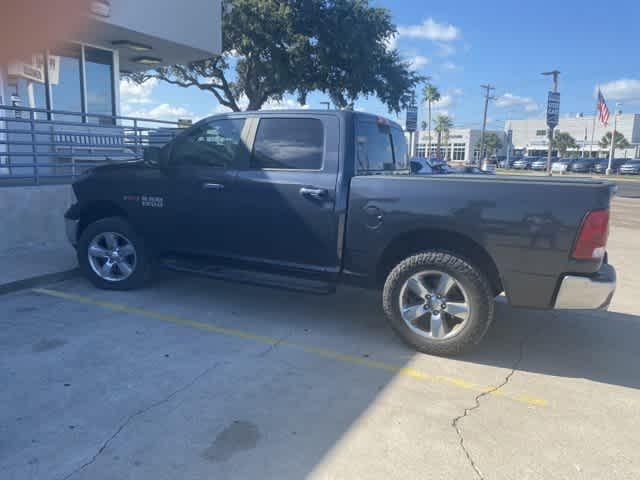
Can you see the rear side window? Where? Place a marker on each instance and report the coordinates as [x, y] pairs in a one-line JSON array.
[[400, 153], [288, 143], [380, 148]]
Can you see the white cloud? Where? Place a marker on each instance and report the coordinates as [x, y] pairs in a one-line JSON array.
[[450, 66], [164, 111], [287, 103], [431, 30], [446, 49], [418, 62], [391, 42], [132, 92], [509, 100], [624, 89]]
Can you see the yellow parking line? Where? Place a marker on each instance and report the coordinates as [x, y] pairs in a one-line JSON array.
[[322, 352]]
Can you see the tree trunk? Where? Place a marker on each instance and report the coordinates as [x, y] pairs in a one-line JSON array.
[[439, 145], [429, 144]]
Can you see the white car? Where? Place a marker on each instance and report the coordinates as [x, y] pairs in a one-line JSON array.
[[560, 166]]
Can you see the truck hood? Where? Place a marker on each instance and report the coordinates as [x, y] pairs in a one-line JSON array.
[[109, 168]]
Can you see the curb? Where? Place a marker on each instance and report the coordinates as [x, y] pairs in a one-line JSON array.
[[37, 281]]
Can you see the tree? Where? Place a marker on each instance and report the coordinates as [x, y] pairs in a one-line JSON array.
[[492, 143], [275, 47], [430, 94], [563, 142], [620, 142], [443, 125]]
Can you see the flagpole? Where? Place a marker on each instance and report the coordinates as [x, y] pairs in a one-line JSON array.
[[612, 148], [593, 129]]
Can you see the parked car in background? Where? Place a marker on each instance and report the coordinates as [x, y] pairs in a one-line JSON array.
[[524, 163], [561, 165], [508, 163], [539, 164], [616, 163], [429, 166], [632, 167], [472, 169], [583, 165], [420, 166], [307, 200]]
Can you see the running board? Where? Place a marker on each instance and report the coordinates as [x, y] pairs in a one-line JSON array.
[[248, 276]]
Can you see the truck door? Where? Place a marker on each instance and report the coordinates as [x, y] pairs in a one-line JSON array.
[[202, 170], [285, 204]]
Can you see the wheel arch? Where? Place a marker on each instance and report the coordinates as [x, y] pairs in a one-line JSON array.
[[415, 241], [98, 210]]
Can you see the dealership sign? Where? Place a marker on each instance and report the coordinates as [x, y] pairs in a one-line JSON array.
[[553, 109], [411, 124]]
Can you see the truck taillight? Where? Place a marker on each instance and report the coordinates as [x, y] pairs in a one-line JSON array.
[[592, 238]]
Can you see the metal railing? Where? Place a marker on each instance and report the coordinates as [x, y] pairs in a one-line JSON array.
[[39, 146]]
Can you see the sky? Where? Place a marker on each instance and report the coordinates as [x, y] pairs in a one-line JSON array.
[[463, 44]]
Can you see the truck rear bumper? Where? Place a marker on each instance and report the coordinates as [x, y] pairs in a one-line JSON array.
[[587, 293]]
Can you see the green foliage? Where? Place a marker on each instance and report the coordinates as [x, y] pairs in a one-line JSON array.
[[492, 143], [443, 125], [277, 47], [563, 142], [620, 141]]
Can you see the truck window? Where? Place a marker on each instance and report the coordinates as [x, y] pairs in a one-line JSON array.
[[289, 144], [400, 153], [212, 144], [374, 151]]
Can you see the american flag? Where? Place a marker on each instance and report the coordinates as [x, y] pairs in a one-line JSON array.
[[602, 109]]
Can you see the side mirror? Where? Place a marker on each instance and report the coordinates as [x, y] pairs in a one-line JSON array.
[[152, 154], [156, 155]]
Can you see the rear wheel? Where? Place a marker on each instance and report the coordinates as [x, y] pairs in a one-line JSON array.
[[438, 303], [112, 256]]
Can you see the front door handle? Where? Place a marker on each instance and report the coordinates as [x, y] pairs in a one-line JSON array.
[[315, 193], [212, 186]]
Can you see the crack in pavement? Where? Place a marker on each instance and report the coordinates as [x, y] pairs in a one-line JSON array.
[[275, 344], [142, 411], [455, 422]]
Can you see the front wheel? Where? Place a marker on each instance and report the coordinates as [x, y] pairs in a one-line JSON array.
[[438, 303], [112, 256]]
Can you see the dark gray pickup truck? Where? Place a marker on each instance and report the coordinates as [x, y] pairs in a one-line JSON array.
[[309, 199]]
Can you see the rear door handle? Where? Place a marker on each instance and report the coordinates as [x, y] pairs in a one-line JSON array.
[[315, 193], [212, 186]]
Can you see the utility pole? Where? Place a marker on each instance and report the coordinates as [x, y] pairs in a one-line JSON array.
[[612, 147], [487, 97], [553, 113]]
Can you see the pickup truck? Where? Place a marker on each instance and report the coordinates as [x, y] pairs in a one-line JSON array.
[[307, 200]]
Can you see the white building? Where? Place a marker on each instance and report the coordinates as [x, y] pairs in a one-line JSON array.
[[460, 145], [530, 135], [82, 75]]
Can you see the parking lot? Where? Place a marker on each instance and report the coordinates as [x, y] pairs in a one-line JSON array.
[[200, 379]]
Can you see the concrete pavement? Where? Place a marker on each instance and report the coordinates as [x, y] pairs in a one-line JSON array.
[[199, 379]]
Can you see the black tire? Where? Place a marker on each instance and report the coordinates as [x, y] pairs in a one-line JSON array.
[[142, 271], [471, 278]]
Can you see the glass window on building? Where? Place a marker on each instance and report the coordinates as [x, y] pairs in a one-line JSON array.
[[421, 150], [99, 84], [65, 80], [459, 151]]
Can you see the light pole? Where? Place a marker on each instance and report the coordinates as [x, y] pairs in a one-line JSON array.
[[612, 147]]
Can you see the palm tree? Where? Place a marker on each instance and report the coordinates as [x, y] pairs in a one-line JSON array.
[[430, 95], [443, 125], [620, 142]]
